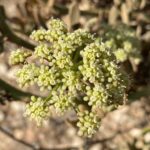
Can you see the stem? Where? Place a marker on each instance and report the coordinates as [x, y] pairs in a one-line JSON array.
[[50, 94]]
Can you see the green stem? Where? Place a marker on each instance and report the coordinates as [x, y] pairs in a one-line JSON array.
[[50, 94]]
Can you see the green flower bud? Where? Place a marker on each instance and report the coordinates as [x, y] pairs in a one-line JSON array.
[[121, 55]]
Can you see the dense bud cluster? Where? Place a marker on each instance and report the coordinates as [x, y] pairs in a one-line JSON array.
[[19, 56], [47, 77], [27, 75], [124, 43], [88, 123], [63, 101], [37, 109], [78, 70]]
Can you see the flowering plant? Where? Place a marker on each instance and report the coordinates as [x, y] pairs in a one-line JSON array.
[[78, 69]]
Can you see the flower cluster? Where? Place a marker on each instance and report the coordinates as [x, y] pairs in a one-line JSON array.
[[19, 56], [124, 43], [37, 109], [78, 70], [88, 123], [27, 75]]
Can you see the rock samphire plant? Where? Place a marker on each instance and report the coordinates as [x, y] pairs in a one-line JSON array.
[[80, 72]]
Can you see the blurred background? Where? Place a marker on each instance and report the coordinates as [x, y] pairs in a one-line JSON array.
[[127, 128]]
